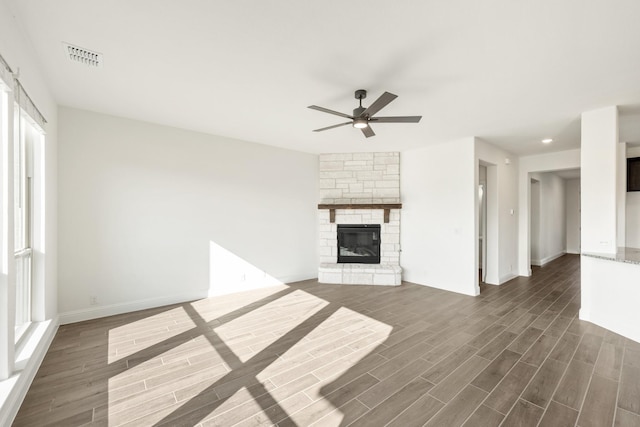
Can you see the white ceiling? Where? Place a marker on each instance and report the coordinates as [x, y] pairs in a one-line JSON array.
[[568, 173], [510, 72]]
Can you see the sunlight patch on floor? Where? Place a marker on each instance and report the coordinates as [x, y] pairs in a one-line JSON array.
[[137, 336], [258, 329], [255, 358], [217, 307]]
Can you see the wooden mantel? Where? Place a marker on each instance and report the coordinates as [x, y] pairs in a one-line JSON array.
[[386, 206]]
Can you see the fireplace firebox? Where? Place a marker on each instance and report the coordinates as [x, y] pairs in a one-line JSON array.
[[359, 243]]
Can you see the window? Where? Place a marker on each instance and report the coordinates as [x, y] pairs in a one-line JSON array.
[[25, 137], [22, 195], [6, 245]]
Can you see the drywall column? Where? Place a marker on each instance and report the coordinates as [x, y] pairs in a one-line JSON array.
[[621, 195], [598, 158], [608, 287], [572, 191], [534, 222], [439, 216]]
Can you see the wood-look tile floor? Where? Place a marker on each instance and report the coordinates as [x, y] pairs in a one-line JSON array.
[[329, 355]]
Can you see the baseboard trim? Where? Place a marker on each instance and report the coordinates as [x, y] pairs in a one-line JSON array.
[[293, 278], [526, 272], [474, 293], [542, 262], [584, 315], [126, 307], [548, 259], [97, 312], [18, 385], [506, 278], [258, 283]]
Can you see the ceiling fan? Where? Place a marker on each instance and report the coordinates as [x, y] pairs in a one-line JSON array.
[[362, 117]]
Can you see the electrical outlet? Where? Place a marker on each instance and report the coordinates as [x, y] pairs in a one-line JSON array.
[[93, 300]]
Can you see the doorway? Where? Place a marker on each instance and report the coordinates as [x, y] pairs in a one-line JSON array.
[[482, 224], [487, 237]]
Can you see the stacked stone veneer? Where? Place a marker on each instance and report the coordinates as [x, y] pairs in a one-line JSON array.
[[360, 178]]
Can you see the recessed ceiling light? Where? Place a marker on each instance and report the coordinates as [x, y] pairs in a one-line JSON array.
[[547, 141]]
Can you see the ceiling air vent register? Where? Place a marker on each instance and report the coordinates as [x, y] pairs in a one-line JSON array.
[[83, 56]]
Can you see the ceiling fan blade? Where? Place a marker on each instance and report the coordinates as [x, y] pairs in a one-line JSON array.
[[379, 104], [398, 119], [368, 132], [331, 127], [326, 110]]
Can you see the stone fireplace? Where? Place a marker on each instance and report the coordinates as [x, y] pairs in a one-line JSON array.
[[360, 191]]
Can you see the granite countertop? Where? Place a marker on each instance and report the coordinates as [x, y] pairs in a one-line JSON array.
[[628, 255]]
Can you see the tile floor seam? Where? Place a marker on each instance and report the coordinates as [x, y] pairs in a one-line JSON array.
[[615, 409], [360, 401], [444, 404], [476, 408], [531, 380], [566, 406]]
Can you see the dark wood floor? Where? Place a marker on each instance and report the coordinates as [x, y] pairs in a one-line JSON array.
[[325, 355]]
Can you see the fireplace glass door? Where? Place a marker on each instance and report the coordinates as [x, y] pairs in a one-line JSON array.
[[359, 244]]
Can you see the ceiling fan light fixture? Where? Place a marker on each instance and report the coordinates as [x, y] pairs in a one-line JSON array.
[[360, 123]]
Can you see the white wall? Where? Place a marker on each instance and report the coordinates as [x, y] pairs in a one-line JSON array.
[[502, 200], [438, 233], [569, 159], [599, 158], [151, 215], [633, 209], [552, 218], [572, 190]]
